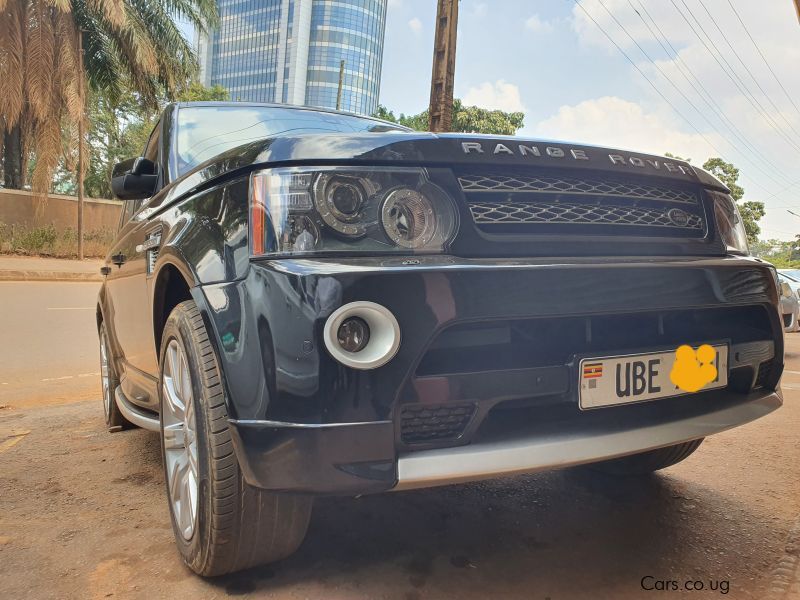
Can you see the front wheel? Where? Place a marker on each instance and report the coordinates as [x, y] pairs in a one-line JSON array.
[[647, 462], [221, 524]]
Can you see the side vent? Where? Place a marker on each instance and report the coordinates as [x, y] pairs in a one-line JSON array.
[[152, 257], [150, 248]]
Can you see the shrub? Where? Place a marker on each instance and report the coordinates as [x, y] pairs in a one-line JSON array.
[[48, 241]]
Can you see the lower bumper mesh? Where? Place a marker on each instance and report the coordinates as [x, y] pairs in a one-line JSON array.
[[423, 423]]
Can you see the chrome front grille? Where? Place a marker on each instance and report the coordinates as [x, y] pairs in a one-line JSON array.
[[567, 185], [507, 202], [581, 214]]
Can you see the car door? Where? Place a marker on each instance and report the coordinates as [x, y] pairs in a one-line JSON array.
[[127, 289]]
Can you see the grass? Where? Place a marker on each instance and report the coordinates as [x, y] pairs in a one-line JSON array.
[[48, 241]]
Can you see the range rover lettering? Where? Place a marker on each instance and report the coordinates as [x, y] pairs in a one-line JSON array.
[[304, 302]]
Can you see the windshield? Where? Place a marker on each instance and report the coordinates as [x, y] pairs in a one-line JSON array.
[[791, 275], [205, 131]]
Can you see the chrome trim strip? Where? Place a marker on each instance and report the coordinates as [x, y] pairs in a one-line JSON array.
[[134, 414], [560, 448], [259, 424]]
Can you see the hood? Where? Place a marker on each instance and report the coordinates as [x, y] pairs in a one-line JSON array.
[[441, 150]]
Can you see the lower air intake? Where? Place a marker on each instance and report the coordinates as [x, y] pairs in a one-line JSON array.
[[423, 423]]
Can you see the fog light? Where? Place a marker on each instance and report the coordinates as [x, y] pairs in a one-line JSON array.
[[362, 335], [353, 334]]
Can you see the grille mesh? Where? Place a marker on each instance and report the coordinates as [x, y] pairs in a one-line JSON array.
[[590, 214], [421, 423], [528, 183]]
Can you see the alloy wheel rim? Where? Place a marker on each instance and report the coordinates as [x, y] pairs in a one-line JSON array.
[[179, 431], [104, 376]]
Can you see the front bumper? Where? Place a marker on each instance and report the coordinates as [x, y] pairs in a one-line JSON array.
[[302, 422]]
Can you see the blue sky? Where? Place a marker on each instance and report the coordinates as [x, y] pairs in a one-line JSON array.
[[548, 59]]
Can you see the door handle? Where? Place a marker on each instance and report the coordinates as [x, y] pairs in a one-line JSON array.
[[118, 259], [105, 271]]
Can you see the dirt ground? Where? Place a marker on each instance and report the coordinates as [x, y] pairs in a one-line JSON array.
[[83, 515]]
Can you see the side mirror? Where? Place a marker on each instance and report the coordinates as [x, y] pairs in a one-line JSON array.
[[134, 179]]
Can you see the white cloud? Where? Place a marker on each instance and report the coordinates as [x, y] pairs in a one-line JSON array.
[[395, 4], [480, 10], [536, 25], [415, 25], [736, 112], [500, 95], [591, 15], [619, 123]]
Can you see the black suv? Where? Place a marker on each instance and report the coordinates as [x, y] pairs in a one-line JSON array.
[[306, 302]]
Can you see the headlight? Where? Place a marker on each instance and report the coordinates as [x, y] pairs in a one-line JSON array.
[[729, 223], [301, 210]]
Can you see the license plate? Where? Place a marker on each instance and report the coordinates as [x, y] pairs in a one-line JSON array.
[[613, 380]]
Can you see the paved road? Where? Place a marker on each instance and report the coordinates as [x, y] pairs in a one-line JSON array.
[[49, 347], [83, 514]]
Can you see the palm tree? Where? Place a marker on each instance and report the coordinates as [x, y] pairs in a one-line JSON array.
[[51, 49]]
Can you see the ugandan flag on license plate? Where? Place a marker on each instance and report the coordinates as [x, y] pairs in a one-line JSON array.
[[592, 370]]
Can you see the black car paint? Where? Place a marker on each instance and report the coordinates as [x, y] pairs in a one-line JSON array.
[[302, 421]]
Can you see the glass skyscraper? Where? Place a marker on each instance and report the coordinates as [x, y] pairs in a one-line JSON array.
[[290, 51]]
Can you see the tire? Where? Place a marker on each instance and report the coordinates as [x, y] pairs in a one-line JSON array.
[[647, 462], [227, 525], [109, 380]]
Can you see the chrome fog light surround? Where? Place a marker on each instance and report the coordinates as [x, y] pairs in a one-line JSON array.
[[384, 335]]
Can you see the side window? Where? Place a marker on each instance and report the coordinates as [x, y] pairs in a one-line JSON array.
[[129, 207], [151, 150]]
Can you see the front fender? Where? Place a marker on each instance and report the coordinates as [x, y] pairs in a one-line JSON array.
[[205, 236]]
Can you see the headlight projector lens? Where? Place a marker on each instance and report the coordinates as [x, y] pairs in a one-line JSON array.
[[408, 218], [346, 199], [340, 202]]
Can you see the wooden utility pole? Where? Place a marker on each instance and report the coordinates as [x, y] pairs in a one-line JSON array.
[[797, 8], [341, 85], [81, 133], [444, 66]]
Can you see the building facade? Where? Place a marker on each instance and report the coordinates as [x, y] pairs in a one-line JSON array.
[[291, 51]]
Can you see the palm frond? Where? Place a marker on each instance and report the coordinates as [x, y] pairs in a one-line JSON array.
[[47, 146], [101, 60], [128, 45], [202, 14], [60, 5], [39, 67], [177, 61], [68, 69], [135, 45], [11, 62], [112, 10]]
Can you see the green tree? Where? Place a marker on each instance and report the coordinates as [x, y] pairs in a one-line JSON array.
[[125, 44], [466, 119], [784, 255], [197, 92], [751, 211]]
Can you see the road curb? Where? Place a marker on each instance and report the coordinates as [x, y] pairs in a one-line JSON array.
[[48, 276]]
